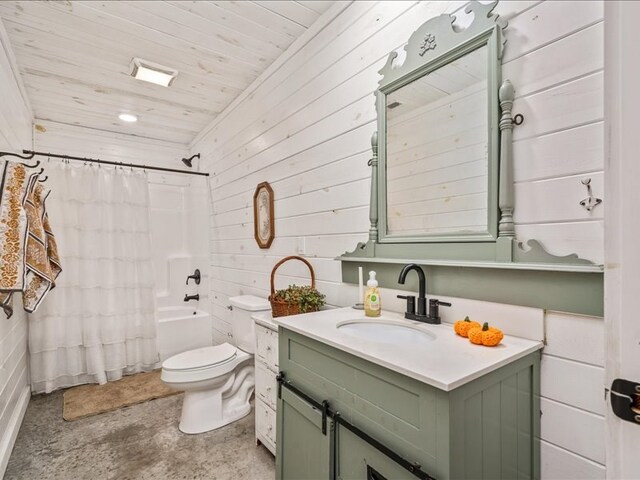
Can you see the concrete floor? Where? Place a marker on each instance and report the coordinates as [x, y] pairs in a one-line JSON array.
[[138, 442]]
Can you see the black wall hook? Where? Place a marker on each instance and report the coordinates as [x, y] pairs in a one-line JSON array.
[[23, 157]]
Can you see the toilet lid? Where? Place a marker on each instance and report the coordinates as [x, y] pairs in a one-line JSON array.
[[201, 357]]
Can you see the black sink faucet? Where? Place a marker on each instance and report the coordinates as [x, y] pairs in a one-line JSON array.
[[195, 297], [422, 301], [421, 315]]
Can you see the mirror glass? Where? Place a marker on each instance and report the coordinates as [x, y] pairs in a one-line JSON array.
[[437, 162]]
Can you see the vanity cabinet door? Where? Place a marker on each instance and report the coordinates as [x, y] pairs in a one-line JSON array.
[[302, 448]]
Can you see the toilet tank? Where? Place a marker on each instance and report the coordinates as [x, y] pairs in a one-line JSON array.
[[244, 332]]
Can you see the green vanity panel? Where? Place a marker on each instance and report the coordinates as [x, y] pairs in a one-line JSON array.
[[311, 455], [487, 428]]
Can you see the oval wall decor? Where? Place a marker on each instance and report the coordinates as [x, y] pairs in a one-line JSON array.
[[263, 221]]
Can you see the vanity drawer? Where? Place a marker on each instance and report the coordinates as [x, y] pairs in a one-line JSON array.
[[267, 346], [266, 422], [266, 385]]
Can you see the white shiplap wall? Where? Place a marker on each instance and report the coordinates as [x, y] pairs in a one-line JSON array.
[[573, 402], [80, 141], [15, 134], [305, 128]]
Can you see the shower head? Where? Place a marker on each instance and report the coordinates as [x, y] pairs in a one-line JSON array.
[[187, 161]]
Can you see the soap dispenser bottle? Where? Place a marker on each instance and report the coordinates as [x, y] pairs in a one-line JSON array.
[[372, 305]]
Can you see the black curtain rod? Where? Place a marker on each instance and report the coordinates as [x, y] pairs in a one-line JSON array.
[[30, 154]]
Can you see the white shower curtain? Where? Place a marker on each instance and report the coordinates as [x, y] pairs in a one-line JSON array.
[[98, 323]]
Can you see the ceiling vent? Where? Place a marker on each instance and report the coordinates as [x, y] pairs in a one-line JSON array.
[[152, 72]]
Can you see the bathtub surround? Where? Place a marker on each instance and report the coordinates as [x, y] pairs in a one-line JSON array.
[[179, 204], [98, 324], [141, 442], [182, 328]]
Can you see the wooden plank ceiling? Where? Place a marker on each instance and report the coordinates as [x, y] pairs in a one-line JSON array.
[[74, 57]]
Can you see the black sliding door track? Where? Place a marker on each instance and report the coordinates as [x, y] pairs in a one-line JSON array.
[[324, 408]]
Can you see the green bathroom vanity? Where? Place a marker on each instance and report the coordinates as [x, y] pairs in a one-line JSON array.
[[458, 410]]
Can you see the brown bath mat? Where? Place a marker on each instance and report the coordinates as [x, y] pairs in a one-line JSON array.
[[88, 400]]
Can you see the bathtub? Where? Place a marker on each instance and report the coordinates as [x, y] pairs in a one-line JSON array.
[[182, 328]]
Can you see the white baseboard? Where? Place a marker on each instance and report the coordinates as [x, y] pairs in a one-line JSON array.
[[9, 436]]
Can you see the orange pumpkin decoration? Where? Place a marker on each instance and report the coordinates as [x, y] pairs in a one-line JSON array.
[[486, 335], [462, 327]]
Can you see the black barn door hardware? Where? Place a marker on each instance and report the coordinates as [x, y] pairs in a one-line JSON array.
[[324, 407], [373, 474], [625, 400]]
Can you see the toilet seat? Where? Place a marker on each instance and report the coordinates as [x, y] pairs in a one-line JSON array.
[[201, 358], [202, 364]]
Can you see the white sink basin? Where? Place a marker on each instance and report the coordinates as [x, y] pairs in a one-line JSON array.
[[385, 331]]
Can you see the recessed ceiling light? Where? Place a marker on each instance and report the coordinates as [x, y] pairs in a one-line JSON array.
[[152, 72], [127, 117]]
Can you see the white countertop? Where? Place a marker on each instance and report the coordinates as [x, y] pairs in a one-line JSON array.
[[265, 319], [446, 362]]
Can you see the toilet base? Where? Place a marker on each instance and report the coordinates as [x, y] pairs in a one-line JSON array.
[[206, 425], [209, 409]]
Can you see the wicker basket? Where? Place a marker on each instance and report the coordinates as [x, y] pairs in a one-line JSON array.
[[280, 308]]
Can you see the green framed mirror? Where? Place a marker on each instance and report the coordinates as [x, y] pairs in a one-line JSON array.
[[438, 142], [441, 172]]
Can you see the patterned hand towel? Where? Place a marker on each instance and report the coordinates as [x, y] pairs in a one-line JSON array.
[[15, 184], [43, 263]]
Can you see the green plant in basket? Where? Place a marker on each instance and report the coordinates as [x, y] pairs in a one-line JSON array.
[[306, 297]]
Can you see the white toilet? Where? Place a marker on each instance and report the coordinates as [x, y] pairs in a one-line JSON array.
[[218, 381]]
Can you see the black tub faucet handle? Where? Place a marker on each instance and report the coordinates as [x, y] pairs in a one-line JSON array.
[[195, 276]]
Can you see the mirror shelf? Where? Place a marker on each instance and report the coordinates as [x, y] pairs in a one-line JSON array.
[[552, 267]]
